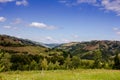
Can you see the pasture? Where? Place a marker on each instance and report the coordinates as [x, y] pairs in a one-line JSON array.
[[80, 74]]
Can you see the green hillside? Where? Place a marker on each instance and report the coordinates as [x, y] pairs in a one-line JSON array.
[[86, 49], [16, 45], [22, 54]]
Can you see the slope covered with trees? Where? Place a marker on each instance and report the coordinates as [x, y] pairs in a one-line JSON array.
[[86, 49], [17, 45], [21, 54]]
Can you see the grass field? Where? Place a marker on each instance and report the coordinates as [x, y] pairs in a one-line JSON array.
[[81, 74]]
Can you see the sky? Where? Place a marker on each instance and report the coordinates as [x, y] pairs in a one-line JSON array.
[[61, 21]]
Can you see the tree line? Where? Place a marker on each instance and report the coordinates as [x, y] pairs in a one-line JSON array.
[[54, 61]]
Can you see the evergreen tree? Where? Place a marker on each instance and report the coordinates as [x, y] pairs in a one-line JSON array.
[[117, 61]]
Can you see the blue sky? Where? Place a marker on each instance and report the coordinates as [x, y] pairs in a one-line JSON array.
[[61, 21]]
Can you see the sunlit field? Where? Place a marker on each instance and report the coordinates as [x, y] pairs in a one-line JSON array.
[[81, 74]]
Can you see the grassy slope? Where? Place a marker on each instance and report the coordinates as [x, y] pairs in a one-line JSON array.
[[29, 49], [86, 49], [27, 45], [62, 75]]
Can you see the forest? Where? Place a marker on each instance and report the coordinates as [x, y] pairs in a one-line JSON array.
[[21, 54]]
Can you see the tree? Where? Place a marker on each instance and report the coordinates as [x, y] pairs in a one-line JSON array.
[[56, 65], [44, 64], [51, 66], [75, 62], [33, 65], [117, 61], [5, 62], [1, 64], [68, 62], [97, 59]]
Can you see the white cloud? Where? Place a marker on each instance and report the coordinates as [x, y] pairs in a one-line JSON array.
[[7, 27], [23, 2], [63, 1], [2, 19], [118, 32], [65, 41], [115, 29], [41, 25], [17, 2], [111, 5], [107, 5], [51, 40], [75, 36], [86, 1], [5, 1], [10, 27], [17, 21]]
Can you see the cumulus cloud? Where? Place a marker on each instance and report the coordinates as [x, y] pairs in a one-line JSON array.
[[111, 5], [7, 27], [41, 25], [115, 29], [10, 27], [17, 21], [23, 2], [107, 5], [2, 19], [86, 1], [52, 40], [118, 32], [65, 41], [75, 36], [5, 1], [77, 2], [49, 38], [17, 2], [63, 1]]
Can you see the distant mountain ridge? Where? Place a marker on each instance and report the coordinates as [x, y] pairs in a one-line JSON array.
[[86, 49], [83, 49], [52, 45]]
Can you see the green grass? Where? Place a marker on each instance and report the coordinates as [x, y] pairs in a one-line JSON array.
[[81, 74]]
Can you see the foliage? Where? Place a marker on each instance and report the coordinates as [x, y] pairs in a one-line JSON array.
[[97, 59], [117, 61], [20, 54], [44, 64]]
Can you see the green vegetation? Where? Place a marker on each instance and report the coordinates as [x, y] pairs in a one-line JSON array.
[[24, 55], [53, 60], [81, 74], [86, 50]]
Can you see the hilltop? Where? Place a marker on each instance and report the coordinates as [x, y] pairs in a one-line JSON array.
[[86, 49], [23, 54], [17, 45]]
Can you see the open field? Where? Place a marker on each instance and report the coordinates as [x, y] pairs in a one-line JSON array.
[[81, 74]]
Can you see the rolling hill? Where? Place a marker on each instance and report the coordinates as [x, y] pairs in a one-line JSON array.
[[86, 49], [17, 45]]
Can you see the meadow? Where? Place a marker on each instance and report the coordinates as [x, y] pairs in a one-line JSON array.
[[80, 74]]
